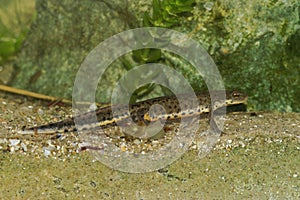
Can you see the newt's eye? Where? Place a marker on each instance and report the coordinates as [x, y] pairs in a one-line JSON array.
[[235, 94]]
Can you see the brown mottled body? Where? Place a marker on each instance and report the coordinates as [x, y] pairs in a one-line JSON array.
[[169, 109]]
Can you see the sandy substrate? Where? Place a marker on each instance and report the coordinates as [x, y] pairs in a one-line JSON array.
[[258, 157]]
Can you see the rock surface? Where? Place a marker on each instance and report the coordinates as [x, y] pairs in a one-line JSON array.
[[254, 44]]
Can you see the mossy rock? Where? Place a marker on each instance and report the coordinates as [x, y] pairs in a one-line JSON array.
[[254, 44]]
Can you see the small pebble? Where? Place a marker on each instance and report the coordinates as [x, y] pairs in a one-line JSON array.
[[47, 151], [137, 141], [24, 146], [14, 142], [208, 5]]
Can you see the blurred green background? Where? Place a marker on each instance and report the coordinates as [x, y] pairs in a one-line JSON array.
[[255, 44], [15, 19]]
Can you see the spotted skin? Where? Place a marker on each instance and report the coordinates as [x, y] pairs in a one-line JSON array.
[[160, 108]]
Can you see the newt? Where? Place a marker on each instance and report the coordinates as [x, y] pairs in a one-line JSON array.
[[139, 112]]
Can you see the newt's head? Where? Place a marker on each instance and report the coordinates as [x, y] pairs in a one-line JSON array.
[[236, 97]]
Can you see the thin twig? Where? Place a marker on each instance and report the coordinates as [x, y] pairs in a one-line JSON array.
[[32, 94], [6, 88]]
